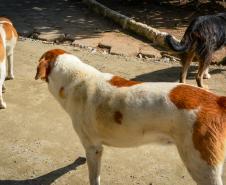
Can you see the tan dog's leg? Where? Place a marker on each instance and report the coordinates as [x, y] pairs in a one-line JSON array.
[[2, 79], [3, 88], [185, 61], [10, 74], [93, 155], [2, 103]]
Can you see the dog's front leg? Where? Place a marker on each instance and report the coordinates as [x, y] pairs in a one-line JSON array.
[[2, 103], [10, 74], [93, 155]]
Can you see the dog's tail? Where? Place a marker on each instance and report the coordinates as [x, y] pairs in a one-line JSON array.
[[181, 46]]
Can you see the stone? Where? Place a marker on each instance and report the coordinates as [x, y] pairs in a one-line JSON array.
[[148, 51], [86, 42], [51, 36], [104, 44]]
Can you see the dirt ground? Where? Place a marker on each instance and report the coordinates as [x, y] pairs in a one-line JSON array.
[[168, 17], [71, 21], [40, 147]]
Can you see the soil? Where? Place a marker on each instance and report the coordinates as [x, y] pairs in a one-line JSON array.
[[40, 147], [164, 16], [38, 143], [167, 16]]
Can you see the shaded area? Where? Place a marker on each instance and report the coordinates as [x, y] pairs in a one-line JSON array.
[[160, 15], [48, 178], [170, 74], [64, 19], [71, 19]]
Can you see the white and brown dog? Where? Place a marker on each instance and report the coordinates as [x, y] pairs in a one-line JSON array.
[[110, 110], [8, 39]]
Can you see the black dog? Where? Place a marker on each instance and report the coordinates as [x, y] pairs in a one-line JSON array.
[[203, 36]]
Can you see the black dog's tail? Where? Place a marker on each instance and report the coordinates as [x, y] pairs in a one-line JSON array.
[[181, 46]]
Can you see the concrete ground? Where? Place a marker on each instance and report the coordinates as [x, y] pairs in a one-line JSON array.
[[40, 147]]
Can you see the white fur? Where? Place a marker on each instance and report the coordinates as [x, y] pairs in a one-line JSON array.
[[8, 45], [147, 113], [2, 69]]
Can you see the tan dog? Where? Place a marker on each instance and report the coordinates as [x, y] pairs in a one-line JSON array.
[[110, 110], [8, 39]]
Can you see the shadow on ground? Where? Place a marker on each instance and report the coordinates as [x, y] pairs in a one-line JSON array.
[[161, 14], [71, 18], [171, 74], [46, 179]]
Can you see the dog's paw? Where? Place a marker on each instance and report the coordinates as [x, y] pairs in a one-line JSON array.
[[206, 76], [9, 77], [3, 105]]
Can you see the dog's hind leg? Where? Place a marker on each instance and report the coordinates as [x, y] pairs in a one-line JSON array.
[[205, 174], [10, 74], [206, 74], [203, 66], [3, 88], [2, 79], [186, 60], [93, 155], [200, 170], [2, 102]]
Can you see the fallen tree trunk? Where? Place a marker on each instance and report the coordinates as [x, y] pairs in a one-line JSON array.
[[152, 34]]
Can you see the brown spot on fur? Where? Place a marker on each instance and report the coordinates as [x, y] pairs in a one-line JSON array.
[[121, 82], [118, 117], [2, 50], [209, 130], [10, 31], [46, 62], [61, 92]]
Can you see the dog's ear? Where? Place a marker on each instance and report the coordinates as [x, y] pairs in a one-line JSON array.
[[43, 70]]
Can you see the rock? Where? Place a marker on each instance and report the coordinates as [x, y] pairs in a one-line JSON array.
[[86, 42], [93, 50], [165, 59], [140, 55], [103, 44], [37, 8], [25, 32], [122, 50], [148, 51], [51, 36]]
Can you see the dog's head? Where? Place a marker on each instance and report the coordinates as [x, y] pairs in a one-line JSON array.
[[46, 63]]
